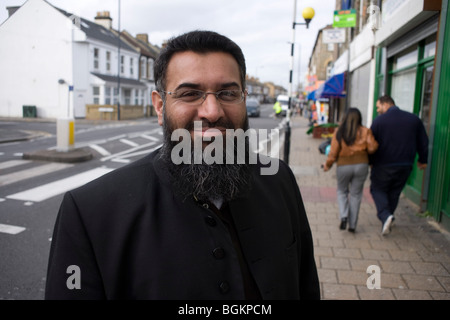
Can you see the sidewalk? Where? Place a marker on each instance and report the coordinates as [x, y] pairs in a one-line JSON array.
[[414, 258]]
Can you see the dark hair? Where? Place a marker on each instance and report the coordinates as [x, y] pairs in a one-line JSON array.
[[348, 130], [386, 99], [199, 42]]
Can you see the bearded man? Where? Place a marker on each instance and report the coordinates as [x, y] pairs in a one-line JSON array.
[[160, 229]]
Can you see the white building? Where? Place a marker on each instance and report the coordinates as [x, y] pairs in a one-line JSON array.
[[58, 62]]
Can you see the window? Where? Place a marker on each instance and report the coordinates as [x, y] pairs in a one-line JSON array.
[[402, 90], [430, 47], [406, 58], [108, 61], [131, 67], [116, 95], [330, 47], [96, 95], [150, 63], [107, 95], [127, 94], [143, 68], [137, 93], [122, 62], [96, 54]]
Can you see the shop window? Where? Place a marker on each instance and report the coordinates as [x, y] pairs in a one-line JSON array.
[[429, 49], [406, 58], [402, 89]]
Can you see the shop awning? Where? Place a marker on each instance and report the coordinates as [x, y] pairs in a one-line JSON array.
[[332, 88], [312, 95]]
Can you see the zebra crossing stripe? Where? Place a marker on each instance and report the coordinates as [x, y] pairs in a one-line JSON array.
[[5, 228], [32, 172], [58, 187]]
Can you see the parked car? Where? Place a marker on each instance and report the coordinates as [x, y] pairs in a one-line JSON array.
[[253, 108]]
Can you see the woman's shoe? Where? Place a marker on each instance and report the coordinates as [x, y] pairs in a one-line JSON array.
[[343, 224]]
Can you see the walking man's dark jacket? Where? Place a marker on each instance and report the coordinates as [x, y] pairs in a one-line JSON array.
[[400, 135], [133, 238]]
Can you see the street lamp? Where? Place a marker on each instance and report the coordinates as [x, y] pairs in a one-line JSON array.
[[308, 14]]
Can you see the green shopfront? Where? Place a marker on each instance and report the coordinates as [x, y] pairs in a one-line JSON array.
[[414, 68]]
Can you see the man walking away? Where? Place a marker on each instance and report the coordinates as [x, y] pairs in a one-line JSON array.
[[400, 136]]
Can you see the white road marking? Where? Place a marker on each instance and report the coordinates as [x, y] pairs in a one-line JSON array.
[[120, 160], [5, 228], [13, 163], [32, 172], [120, 154], [52, 189], [146, 136], [100, 150], [129, 142]]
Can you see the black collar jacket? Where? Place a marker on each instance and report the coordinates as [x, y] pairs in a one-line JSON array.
[[126, 235]]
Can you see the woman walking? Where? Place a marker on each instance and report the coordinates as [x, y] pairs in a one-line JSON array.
[[350, 148]]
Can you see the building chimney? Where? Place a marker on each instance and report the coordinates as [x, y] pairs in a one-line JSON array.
[[104, 19], [143, 37], [12, 10]]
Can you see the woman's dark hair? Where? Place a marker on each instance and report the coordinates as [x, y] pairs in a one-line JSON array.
[[348, 130], [199, 42]]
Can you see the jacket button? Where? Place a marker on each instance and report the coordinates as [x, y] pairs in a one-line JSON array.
[[219, 253], [224, 287], [210, 221]]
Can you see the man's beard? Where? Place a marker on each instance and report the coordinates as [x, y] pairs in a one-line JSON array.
[[207, 182]]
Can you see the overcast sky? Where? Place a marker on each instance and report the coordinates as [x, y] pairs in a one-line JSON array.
[[262, 28]]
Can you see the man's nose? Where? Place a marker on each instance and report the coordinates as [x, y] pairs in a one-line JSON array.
[[210, 109]]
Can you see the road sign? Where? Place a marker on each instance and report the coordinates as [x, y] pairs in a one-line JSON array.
[[344, 18], [333, 36]]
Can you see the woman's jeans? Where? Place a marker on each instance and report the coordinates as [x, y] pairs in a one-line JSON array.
[[350, 184]]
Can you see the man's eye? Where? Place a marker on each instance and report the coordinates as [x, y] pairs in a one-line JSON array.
[[229, 94], [191, 94]]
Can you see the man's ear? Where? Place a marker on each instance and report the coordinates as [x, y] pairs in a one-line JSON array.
[[158, 104]]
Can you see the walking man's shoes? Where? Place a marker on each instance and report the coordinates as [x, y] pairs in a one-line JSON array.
[[387, 225]]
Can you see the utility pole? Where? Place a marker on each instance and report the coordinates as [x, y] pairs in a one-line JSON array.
[[308, 14], [119, 61]]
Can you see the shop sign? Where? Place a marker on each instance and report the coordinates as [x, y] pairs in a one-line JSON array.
[[344, 18]]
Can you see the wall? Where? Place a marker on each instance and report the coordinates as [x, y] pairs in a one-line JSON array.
[[35, 53]]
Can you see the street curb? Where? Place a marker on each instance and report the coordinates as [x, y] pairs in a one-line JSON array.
[[71, 156]]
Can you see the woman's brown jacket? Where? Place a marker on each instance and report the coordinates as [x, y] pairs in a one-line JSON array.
[[358, 152]]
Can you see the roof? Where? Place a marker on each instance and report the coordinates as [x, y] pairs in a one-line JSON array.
[[98, 32], [146, 49], [132, 82]]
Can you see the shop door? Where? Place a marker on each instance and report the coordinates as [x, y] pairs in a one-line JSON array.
[[414, 186]]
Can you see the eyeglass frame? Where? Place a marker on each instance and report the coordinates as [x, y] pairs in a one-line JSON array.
[[244, 93]]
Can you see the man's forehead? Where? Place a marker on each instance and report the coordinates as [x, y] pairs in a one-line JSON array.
[[197, 68]]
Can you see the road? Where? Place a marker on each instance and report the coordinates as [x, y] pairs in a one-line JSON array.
[[31, 191]]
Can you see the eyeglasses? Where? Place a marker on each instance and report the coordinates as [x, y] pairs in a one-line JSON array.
[[197, 97]]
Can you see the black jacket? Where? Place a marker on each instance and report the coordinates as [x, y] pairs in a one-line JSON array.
[[132, 238], [400, 136]]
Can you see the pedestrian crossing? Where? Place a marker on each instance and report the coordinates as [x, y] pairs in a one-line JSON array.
[[112, 153]]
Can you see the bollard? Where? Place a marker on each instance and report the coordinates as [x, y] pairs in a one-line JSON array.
[[65, 134]]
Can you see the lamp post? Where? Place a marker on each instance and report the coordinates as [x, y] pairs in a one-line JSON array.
[[308, 14]]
